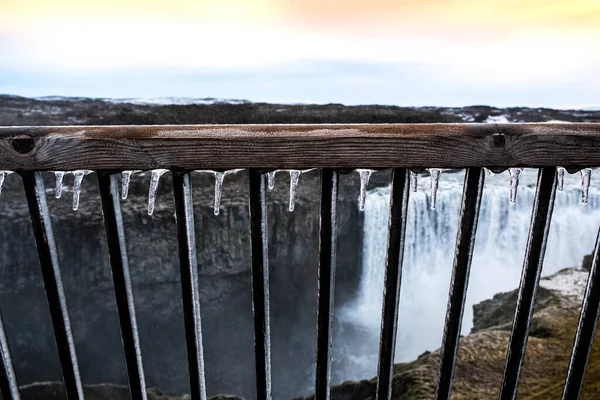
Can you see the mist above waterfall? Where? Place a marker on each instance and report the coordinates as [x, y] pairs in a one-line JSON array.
[[430, 239]]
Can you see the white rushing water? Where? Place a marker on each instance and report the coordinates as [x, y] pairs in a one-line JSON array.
[[430, 240]]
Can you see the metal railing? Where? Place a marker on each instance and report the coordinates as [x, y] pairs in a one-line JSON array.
[[333, 149]]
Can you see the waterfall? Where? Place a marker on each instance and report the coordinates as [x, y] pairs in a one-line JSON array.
[[429, 248]]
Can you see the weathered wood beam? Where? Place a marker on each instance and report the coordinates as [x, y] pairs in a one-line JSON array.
[[187, 147]]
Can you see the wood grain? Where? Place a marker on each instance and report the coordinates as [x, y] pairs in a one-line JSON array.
[[187, 147]]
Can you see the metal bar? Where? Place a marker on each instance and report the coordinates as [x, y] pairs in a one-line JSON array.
[[35, 192], [532, 269], [465, 241], [299, 146], [184, 216], [9, 386], [117, 251], [326, 284], [590, 310], [259, 238], [393, 276]]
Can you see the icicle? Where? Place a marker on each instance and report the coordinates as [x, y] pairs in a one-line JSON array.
[[125, 179], [271, 179], [294, 177], [561, 178], [59, 175], [365, 175], [156, 174], [79, 174], [514, 183], [219, 176], [3, 175], [435, 179], [586, 176], [490, 172], [414, 180]]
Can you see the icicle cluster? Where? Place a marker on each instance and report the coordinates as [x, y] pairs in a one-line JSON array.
[[78, 176], [294, 179]]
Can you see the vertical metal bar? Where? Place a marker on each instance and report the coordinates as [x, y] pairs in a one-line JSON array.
[[326, 283], [259, 238], [184, 216], [465, 241], [8, 379], [117, 251], [532, 269], [393, 276], [35, 192], [590, 310]]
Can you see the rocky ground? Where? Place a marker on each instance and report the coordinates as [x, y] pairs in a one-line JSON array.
[[76, 111]]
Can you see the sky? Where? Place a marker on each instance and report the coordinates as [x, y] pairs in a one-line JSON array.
[[404, 52]]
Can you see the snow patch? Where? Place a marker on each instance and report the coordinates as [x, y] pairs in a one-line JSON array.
[[178, 101], [569, 282], [497, 119]]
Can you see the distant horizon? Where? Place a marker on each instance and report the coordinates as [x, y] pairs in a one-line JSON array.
[[176, 100]]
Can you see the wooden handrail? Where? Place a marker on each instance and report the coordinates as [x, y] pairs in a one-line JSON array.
[[187, 147]]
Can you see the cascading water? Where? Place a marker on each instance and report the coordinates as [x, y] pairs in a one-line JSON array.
[[429, 249]]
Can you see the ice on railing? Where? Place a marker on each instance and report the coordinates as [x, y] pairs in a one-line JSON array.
[[3, 175], [78, 179], [414, 180], [294, 178], [435, 180], [561, 178], [156, 174], [586, 176], [365, 175], [219, 177], [514, 173], [271, 179], [59, 176], [125, 180]]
